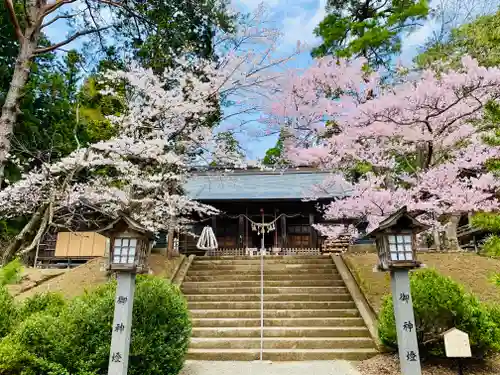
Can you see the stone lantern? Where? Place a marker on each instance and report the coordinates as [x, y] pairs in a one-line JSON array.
[[130, 246], [396, 241]]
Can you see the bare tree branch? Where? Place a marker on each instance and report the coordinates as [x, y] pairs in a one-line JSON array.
[[69, 40], [96, 25], [14, 20], [63, 16], [53, 7]]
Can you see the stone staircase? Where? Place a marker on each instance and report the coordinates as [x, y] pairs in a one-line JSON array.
[[308, 312]]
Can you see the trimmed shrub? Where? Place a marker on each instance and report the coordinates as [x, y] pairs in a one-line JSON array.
[[8, 312], [74, 338], [439, 304], [11, 272], [491, 246], [160, 333], [51, 303]]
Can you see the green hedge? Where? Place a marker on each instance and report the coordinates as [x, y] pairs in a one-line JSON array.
[[439, 304], [58, 338], [8, 312]]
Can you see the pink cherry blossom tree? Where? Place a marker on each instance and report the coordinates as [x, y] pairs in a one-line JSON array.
[[416, 142]]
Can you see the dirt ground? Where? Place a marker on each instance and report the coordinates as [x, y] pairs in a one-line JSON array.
[[31, 277], [91, 275], [387, 364], [73, 282], [474, 272]]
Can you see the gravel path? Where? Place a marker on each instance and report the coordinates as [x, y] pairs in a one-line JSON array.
[[269, 368]]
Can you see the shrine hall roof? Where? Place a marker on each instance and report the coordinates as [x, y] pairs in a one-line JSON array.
[[253, 185]]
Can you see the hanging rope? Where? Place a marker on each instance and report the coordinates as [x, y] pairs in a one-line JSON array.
[[257, 224], [207, 240]]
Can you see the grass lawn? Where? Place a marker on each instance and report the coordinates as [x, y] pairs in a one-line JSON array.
[[472, 271]]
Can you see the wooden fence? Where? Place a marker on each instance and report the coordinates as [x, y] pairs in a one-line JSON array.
[[255, 251]]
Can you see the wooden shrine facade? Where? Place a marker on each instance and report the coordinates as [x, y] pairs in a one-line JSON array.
[[293, 226]]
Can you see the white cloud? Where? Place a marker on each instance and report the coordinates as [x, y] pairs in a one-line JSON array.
[[300, 27]]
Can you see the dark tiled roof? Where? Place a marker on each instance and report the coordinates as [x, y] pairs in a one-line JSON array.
[[291, 184]]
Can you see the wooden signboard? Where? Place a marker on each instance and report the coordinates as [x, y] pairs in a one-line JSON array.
[[456, 344], [80, 244]]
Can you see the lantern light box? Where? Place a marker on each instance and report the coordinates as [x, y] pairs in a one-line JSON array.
[[396, 240], [130, 245]]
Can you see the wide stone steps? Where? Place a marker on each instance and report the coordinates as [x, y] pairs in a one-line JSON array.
[[267, 277], [280, 354], [256, 266], [267, 290], [268, 297], [253, 284], [279, 305], [281, 332], [281, 342], [308, 312], [256, 271], [268, 313], [267, 261], [282, 322]]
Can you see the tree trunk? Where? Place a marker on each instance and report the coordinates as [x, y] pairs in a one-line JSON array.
[[451, 232], [24, 235], [437, 239], [10, 109], [170, 242]]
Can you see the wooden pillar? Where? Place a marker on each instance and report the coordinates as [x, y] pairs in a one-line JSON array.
[[214, 225], [241, 231], [275, 244], [283, 232], [313, 239], [246, 228]]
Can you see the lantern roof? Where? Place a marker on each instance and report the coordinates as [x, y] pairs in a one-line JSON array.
[[399, 220], [124, 221]]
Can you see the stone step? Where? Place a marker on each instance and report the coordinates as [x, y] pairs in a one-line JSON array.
[[267, 290], [256, 260], [280, 332], [280, 355], [256, 266], [283, 322], [255, 284], [273, 314], [267, 277], [268, 297], [281, 343], [245, 257], [274, 305], [256, 271]]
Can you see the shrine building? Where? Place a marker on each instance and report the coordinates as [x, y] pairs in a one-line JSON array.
[[248, 198]]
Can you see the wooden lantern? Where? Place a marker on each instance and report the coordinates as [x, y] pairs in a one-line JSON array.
[[396, 241], [130, 245]]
